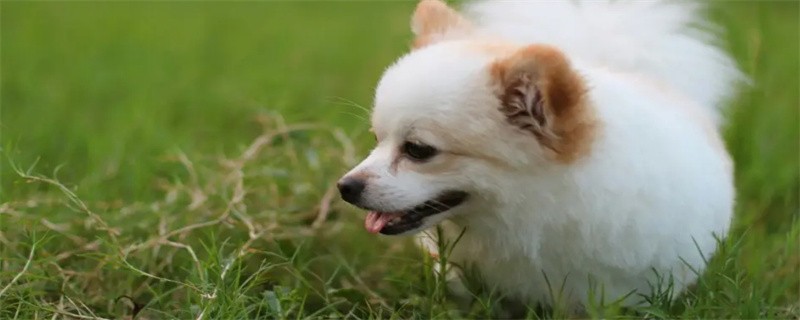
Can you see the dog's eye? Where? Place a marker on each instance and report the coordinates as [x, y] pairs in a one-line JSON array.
[[419, 151]]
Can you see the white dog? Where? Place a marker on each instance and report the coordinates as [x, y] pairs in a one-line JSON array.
[[572, 140]]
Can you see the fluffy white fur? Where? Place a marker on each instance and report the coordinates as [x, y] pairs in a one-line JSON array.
[[651, 195], [664, 40]]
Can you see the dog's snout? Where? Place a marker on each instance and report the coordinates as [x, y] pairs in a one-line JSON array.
[[351, 189]]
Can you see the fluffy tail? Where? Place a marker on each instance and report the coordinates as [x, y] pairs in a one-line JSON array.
[[665, 39]]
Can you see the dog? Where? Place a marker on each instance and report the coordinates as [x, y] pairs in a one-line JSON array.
[[570, 144]]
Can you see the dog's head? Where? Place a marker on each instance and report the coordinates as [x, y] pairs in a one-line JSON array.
[[456, 117]]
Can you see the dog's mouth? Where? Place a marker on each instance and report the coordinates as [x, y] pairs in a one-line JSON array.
[[390, 223]]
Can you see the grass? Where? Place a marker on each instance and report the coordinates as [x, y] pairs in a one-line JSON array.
[[176, 160]]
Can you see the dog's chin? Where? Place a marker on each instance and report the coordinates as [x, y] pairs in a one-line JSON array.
[[417, 218]]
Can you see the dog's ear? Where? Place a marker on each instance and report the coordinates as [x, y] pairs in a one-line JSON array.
[[434, 21], [540, 93]]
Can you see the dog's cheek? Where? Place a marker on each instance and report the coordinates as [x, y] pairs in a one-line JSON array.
[[389, 192], [416, 187]]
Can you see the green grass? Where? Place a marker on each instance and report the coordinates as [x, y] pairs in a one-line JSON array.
[[176, 159]]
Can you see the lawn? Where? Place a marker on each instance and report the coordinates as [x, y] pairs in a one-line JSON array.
[[176, 160]]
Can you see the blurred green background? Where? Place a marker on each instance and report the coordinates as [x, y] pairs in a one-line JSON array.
[[139, 107], [106, 88]]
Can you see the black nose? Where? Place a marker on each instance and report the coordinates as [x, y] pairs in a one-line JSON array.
[[350, 189]]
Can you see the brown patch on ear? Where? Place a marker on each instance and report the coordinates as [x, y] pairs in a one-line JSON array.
[[540, 93], [434, 21]]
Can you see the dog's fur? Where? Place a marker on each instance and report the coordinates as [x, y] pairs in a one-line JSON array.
[[584, 132]]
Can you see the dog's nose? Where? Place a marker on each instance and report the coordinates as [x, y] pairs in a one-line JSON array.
[[351, 189]]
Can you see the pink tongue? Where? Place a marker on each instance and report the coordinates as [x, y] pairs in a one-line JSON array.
[[377, 220]]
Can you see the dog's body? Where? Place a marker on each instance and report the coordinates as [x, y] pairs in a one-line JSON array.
[[572, 141]]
